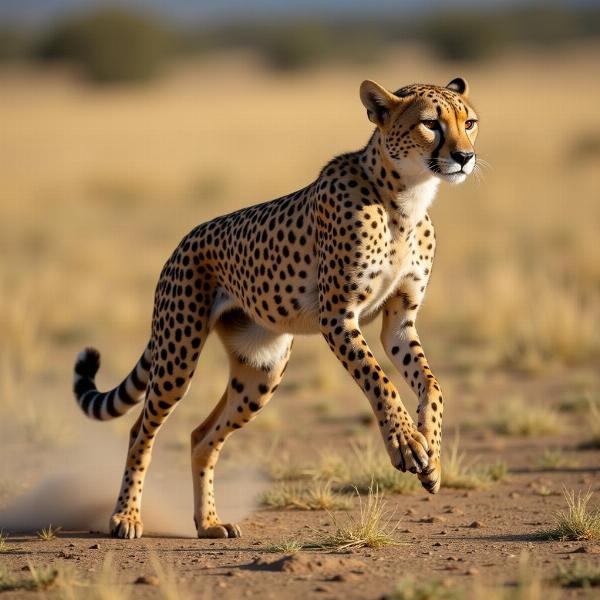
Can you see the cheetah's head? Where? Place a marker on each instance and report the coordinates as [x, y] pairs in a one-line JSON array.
[[426, 129]]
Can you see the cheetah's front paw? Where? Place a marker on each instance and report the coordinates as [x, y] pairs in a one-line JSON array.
[[431, 477], [220, 530], [408, 451], [125, 526]]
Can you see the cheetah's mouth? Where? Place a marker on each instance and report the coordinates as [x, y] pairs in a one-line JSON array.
[[453, 177], [458, 175]]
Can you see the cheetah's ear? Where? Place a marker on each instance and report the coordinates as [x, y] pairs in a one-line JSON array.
[[460, 86], [378, 101]]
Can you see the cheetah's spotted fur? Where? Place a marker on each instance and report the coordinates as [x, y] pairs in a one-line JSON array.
[[328, 258]]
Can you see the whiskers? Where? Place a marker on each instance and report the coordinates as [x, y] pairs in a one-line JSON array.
[[436, 164], [478, 170]]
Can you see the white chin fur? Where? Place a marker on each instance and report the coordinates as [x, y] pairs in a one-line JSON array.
[[453, 177]]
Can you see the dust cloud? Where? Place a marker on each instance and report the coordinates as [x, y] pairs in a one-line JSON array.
[[76, 488]]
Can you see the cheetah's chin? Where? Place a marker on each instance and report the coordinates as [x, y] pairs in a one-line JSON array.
[[454, 178]]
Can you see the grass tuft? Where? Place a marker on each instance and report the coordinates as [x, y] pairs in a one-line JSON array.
[[48, 533], [366, 466], [38, 579], [577, 522], [316, 496], [370, 468], [4, 547], [167, 577], [457, 473], [555, 459], [286, 546], [593, 422], [372, 528], [578, 575], [530, 420], [408, 588]]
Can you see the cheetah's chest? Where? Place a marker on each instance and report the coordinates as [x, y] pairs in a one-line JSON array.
[[381, 280]]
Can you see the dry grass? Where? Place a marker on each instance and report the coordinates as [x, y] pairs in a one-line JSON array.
[[593, 425], [370, 467], [286, 546], [578, 575], [517, 417], [372, 528], [4, 547], [458, 473], [39, 579], [409, 588], [316, 495], [555, 459], [544, 491], [167, 577], [47, 534], [365, 465], [528, 586], [579, 400], [578, 522]]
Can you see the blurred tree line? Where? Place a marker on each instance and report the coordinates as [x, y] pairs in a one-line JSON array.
[[121, 45]]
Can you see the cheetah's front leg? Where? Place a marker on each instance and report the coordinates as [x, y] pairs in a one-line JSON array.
[[406, 447], [401, 342]]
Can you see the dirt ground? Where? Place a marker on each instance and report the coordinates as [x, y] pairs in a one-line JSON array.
[[459, 537]]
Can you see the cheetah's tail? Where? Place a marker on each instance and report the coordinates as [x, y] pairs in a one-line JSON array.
[[116, 402]]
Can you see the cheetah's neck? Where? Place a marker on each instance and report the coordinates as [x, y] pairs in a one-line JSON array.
[[406, 191]]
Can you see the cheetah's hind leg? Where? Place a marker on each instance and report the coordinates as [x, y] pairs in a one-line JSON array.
[[257, 361]]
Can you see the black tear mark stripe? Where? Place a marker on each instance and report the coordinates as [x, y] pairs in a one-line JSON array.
[[436, 152]]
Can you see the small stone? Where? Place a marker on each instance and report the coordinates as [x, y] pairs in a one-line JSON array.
[[436, 544], [476, 525], [147, 580], [343, 577], [94, 547], [472, 571], [322, 588], [432, 519], [453, 510]]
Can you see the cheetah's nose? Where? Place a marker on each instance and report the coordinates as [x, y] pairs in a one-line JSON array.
[[462, 158]]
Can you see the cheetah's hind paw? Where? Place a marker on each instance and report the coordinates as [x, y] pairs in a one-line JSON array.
[[220, 530]]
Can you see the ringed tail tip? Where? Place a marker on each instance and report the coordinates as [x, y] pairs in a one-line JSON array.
[[87, 363]]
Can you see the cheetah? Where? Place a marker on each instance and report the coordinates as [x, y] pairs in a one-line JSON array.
[[327, 259]]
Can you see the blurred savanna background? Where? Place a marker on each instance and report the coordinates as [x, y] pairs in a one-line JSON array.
[[124, 126]]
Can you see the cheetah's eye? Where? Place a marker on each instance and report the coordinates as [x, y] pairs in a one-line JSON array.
[[470, 123], [430, 124]]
